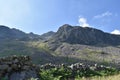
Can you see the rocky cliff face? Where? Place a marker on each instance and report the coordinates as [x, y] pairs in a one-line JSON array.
[[86, 35]]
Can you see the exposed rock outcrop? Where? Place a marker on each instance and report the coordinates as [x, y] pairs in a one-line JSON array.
[[17, 68], [85, 35]]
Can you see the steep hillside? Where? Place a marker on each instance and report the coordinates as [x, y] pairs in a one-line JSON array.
[[85, 43], [85, 35]]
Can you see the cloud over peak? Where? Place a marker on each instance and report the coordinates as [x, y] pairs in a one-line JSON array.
[[83, 22], [117, 32]]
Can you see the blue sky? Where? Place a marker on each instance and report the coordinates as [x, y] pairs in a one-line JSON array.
[[40, 16]]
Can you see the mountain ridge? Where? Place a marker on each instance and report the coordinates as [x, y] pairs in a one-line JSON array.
[[85, 35], [68, 45]]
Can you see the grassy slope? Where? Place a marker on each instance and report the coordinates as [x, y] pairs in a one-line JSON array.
[[42, 54], [13, 48], [38, 50]]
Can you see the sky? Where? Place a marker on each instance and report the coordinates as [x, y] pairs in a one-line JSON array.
[[41, 16]]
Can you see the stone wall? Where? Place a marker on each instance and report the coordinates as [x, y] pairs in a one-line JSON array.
[[17, 68]]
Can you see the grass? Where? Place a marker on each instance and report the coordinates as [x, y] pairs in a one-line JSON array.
[[112, 77], [14, 48], [39, 45]]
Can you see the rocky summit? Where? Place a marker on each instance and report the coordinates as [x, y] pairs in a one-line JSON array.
[[85, 35]]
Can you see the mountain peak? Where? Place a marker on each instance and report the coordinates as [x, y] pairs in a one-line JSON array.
[[3, 27], [7, 33], [66, 26], [88, 36]]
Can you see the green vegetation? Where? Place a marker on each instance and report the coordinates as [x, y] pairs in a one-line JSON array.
[[4, 78], [64, 73], [33, 79], [41, 46], [14, 48]]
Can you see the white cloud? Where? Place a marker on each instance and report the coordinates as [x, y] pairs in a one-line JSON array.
[[103, 15], [83, 22], [117, 32], [13, 11]]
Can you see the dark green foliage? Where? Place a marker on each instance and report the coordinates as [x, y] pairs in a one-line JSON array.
[[3, 78], [65, 73], [59, 73]]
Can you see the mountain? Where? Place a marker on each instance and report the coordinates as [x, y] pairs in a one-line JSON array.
[[85, 35], [16, 42], [85, 43], [7, 33], [68, 45], [47, 35]]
